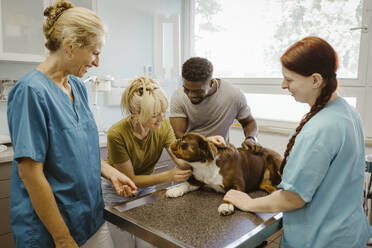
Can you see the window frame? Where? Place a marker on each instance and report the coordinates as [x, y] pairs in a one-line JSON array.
[[360, 87]]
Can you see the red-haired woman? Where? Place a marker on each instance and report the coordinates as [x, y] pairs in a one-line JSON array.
[[323, 168]]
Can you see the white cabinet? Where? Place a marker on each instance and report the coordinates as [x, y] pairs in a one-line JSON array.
[[21, 35]]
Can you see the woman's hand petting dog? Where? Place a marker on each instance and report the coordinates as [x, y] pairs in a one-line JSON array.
[[179, 175]]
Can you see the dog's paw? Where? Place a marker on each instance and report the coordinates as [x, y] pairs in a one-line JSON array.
[[175, 192], [226, 209]]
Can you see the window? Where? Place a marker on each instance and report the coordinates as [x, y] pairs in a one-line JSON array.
[[278, 107], [245, 39]]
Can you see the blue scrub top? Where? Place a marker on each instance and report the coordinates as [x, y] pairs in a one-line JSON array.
[[46, 126], [326, 168]]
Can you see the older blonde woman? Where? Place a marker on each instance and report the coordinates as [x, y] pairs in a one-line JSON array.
[[55, 195]]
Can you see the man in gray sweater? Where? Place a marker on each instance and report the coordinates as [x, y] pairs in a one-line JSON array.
[[209, 105]]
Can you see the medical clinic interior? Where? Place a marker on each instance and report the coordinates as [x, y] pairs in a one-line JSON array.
[[186, 123]]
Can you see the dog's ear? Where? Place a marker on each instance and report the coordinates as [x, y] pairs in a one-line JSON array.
[[208, 148], [212, 149]]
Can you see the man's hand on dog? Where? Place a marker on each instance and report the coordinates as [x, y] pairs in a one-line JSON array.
[[238, 198], [217, 140], [251, 144], [179, 175]]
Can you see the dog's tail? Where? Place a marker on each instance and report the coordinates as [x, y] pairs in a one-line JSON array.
[[273, 161]]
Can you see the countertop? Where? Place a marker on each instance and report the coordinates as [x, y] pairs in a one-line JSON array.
[[192, 221]]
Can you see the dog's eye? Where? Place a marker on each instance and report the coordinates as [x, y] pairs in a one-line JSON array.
[[184, 146]]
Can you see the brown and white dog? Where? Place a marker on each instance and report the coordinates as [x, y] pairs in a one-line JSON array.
[[226, 168]]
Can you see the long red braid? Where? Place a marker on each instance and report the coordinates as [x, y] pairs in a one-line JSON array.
[[306, 57]]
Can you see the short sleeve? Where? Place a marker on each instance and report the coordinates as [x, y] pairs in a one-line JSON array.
[[169, 134], [177, 108], [116, 148], [243, 109], [27, 120], [306, 166]]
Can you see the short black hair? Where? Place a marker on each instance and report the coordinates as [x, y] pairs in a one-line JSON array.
[[197, 69]]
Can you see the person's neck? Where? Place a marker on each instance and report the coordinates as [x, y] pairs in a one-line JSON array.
[[53, 68], [140, 132], [215, 86], [332, 98]]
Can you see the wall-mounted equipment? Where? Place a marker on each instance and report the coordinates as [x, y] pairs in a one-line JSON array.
[[99, 83]]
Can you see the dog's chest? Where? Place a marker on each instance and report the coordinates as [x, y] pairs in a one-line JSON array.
[[208, 173]]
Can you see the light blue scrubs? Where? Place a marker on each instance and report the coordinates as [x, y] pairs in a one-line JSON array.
[[46, 126], [326, 168]]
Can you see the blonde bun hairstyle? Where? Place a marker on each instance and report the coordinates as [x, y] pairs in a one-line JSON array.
[[143, 99], [66, 23]]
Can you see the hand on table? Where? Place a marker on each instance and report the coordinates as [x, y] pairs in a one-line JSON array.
[[238, 198]]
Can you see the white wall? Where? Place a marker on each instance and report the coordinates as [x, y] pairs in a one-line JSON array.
[[129, 46]]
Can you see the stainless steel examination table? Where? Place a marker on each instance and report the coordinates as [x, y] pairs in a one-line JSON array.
[[191, 221]]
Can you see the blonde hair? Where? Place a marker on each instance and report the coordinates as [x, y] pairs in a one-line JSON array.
[[66, 23], [143, 99]]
